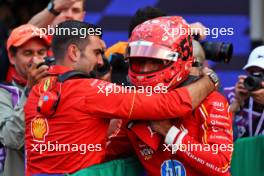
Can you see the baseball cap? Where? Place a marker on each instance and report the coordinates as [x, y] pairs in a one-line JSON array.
[[256, 58], [119, 47], [23, 33]]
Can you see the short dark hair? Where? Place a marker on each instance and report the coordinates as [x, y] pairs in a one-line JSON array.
[[60, 41], [142, 15]]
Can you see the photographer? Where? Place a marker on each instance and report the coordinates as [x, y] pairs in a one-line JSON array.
[[248, 100], [24, 49]]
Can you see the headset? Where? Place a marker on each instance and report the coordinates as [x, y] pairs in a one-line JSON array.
[[49, 100]]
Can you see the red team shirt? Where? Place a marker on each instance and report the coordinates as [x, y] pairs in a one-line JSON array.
[[82, 119], [210, 124]]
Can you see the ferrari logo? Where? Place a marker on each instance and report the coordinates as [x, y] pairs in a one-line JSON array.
[[46, 84]]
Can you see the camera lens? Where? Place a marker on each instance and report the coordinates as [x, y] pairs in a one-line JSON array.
[[218, 51], [104, 69], [252, 83], [226, 52]]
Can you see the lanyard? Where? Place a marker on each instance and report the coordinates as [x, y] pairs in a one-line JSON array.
[[250, 114]]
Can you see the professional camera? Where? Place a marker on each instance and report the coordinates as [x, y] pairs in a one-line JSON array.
[[218, 51], [49, 61], [104, 69], [118, 62], [120, 69], [253, 82]]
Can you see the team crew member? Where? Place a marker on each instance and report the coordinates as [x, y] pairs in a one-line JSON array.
[[76, 112], [209, 126], [59, 11]]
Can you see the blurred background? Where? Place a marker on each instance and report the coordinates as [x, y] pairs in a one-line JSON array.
[[114, 16]]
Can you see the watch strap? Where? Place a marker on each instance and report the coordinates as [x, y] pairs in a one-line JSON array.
[[51, 9]]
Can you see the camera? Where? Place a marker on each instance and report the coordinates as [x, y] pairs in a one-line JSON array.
[[120, 69], [104, 69], [49, 61], [118, 62], [218, 51], [253, 82]]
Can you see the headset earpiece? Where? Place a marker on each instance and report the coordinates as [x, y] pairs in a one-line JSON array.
[[48, 103], [49, 100]]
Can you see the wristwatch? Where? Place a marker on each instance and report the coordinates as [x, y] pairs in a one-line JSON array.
[[51, 9], [214, 78]]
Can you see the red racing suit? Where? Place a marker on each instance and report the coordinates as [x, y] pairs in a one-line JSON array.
[[210, 127], [75, 136]]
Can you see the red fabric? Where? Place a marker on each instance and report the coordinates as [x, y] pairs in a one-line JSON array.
[[118, 145], [10, 72], [12, 75], [218, 130], [146, 134], [82, 117]]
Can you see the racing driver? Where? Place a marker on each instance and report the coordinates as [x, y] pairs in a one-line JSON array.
[[199, 144]]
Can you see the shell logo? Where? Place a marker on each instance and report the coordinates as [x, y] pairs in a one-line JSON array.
[[39, 129]]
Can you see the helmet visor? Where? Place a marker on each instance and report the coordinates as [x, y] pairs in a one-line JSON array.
[[151, 50]]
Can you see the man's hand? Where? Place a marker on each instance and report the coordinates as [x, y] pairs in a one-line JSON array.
[[258, 95], [60, 5], [161, 126], [241, 93], [45, 18], [35, 73]]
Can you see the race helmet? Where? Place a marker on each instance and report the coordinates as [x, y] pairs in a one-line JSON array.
[[164, 40]]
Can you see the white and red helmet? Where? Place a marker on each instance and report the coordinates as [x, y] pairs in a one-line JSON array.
[[164, 38]]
